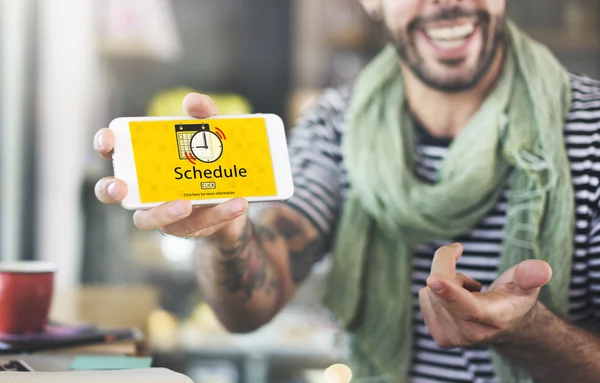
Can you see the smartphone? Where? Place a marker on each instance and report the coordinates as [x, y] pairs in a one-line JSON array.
[[206, 161]]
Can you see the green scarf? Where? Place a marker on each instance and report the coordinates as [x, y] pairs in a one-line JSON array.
[[515, 139]]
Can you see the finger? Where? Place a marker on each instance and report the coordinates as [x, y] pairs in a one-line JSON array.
[[104, 143], [162, 215], [204, 219], [469, 283], [529, 276], [453, 296], [524, 279], [199, 106], [444, 260], [110, 190]]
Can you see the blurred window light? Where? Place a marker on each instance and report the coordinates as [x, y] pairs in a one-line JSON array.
[[141, 29]]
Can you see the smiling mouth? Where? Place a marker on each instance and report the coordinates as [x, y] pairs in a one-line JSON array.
[[451, 36]]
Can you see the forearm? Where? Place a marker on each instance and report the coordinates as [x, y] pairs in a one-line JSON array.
[[247, 280], [552, 350], [239, 281]]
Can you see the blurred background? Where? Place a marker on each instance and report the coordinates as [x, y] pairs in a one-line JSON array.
[[67, 68]]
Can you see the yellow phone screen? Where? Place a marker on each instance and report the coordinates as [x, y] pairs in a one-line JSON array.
[[200, 160]]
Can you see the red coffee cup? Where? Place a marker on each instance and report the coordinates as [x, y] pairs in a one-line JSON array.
[[25, 296]]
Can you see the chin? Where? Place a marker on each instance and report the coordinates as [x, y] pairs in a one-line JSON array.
[[450, 82], [456, 77]]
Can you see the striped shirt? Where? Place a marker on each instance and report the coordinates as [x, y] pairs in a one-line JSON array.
[[321, 185]]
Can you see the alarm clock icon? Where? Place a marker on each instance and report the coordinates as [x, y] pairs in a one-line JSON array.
[[206, 146]]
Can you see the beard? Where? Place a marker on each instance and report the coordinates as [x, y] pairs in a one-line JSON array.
[[409, 54]]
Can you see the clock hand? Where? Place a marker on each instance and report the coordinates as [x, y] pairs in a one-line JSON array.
[[205, 143]]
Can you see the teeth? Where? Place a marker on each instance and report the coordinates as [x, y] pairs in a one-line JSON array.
[[449, 44], [450, 33]]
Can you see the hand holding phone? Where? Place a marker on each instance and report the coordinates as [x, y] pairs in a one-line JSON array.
[[178, 190]]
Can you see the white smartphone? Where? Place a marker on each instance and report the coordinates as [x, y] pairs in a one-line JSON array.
[[206, 161]]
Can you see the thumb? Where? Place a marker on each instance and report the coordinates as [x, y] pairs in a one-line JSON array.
[[199, 106], [529, 276]]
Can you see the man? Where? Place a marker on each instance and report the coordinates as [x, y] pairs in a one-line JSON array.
[[463, 136]]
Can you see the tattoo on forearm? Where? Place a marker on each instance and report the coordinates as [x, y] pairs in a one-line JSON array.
[[243, 243], [301, 261], [246, 267], [265, 233], [302, 254]]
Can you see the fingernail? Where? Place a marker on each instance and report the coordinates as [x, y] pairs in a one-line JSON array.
[[438, 287], [112, 190], [99, 142], [177, 209], [236, 208]]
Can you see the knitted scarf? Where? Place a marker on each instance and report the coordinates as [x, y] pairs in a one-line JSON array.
[[515, 139]]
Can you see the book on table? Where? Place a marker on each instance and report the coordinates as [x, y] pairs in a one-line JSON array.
[[74, 339]]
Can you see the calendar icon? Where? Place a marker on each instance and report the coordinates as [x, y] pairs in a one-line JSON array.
[[184, 134]]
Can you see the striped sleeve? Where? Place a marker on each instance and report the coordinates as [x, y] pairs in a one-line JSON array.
[[584, 142], [315, 156]]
